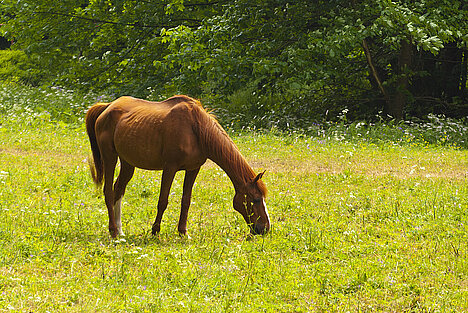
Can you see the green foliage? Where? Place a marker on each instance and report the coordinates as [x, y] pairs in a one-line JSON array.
[[316, 64], [99, 44], [16, 67], [305, 57]]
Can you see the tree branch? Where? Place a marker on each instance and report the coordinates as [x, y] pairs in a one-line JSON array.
[[203, 4], [136, 24], [373, 70]]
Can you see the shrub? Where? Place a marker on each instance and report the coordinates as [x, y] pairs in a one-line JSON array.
[[17, 67]]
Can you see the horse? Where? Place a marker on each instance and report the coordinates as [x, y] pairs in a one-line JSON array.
[[172, 135]]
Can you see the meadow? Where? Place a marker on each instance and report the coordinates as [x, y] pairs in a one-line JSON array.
[[365, 218]]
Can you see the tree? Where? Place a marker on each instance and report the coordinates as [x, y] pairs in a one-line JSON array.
[[101, 44], [296, 59], [326, 55]]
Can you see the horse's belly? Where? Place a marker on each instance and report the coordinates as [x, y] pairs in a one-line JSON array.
[[140, 157], [141, 162], [139, 148]]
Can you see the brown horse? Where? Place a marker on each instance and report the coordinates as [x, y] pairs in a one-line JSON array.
[[172, 135]]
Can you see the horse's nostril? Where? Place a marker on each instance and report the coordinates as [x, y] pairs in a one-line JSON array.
[[260, 229]]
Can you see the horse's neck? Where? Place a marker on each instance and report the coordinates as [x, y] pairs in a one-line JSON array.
[[236, 168], [225, 153], [221, 149]]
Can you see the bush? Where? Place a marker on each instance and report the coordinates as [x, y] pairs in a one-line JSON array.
[[16, 67]]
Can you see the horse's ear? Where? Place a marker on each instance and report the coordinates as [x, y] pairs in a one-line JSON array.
[[258, 177]]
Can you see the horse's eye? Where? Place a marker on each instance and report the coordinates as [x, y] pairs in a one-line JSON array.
[[256, 201]]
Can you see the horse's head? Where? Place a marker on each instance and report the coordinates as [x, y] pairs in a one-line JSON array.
[[250, 202]]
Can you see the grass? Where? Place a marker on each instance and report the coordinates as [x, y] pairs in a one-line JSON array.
[[360, 223]]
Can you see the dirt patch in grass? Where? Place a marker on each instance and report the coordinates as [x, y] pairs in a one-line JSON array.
[[424, 166], [400, 168]]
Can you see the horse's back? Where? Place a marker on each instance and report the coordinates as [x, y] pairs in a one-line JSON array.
[[128, 104], [147, 134], [128, 101]]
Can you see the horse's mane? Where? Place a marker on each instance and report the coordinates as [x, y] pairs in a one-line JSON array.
[[218, 144]]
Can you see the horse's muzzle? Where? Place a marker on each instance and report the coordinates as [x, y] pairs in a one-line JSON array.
[[258, 229]]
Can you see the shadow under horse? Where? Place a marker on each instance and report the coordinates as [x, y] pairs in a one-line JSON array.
[[171, 135]]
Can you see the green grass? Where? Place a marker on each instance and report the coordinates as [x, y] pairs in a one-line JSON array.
[[359, 224]]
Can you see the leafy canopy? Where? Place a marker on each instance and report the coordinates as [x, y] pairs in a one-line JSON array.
[[301, 57]]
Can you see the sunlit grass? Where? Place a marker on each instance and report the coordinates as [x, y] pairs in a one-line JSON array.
[[359, 224]]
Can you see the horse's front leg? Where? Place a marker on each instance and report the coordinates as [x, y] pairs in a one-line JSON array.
[[166, 182], [189, 180]]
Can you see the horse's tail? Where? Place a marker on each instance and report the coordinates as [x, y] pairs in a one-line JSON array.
[[96, 167]]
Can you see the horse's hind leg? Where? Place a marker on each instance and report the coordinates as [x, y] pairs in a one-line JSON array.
[[189, 180], [166, 182], [110, 160], [126, 173]]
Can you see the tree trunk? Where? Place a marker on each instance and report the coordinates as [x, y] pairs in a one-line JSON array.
[[464, 70], [451, 58], [396, 106]]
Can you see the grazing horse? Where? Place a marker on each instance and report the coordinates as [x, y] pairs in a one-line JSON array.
[[172, 135]]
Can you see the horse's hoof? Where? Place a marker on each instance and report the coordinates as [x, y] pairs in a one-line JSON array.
[[155, 230], [249, 237], [113, 232], [184, 236]]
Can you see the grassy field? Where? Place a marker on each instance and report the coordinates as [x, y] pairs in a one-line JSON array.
[[358, 225]]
